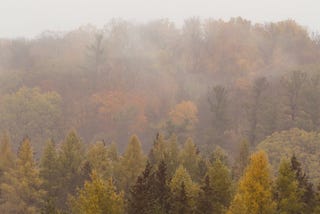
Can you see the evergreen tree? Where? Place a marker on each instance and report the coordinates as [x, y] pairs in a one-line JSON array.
[[191, 189], [48, 173], [204, 204], [308, 196], [131, 164], [190, 159], [287, 192], [181, 201], [70, 162], [220, 182], [21, 188], [141, 200], [254, 193], [161, 189], [97, 197], [98, 158]]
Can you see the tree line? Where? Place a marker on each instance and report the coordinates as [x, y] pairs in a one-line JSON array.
[[71, 177]]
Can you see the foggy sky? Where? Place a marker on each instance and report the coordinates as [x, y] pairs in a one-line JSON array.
[[28, 18]]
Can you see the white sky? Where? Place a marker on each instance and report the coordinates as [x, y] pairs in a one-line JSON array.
[[28, 18]]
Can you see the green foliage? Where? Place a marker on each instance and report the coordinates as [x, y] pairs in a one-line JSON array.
[[29, 112], [48, 172], [183, 190], [131, 164], [151, 193], [216, 190], [98, 157], [305, 186], [97, 197], [70, 160], [305, 145], [288, 195], [189, 158]]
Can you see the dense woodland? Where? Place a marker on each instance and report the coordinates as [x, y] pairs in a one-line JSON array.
[[227, 112]]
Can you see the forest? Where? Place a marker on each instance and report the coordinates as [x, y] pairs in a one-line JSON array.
[[212, 117]]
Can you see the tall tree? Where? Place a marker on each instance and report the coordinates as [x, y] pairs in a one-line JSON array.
[[98, 158], [97, 196], [242, 160], [254, 193], [131, 164], [48, 173], [254, 107], [308, 196], [287, 193], [218, 101], [181, 186], [21, 188], [141, 198], [162, 190], [70, 160], [293, 85], [30, 104], [190, 158], [204, 202], [311, 100]]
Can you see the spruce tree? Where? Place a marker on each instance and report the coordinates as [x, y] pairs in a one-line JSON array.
[[141, 197], [161, 189]]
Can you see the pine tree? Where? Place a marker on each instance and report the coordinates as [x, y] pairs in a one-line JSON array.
[[48, 173], [131, 164], [141, 200], [21, 188], [97, 196], [161, 189], [254, 193], [181, 202], [191, 189], [204, 204], [287, 192], [70, 162], [220, 182], [190, 159]]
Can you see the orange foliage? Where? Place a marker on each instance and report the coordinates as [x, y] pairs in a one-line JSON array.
[[121, 108]]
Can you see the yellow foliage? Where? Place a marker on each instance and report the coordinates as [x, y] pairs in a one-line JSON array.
[[184, 114]]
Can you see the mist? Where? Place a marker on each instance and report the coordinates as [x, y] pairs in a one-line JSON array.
[[168, 107]]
